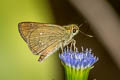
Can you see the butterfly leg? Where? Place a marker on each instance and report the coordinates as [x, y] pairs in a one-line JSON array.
[[74, 44], [62, 46], [71, 46]]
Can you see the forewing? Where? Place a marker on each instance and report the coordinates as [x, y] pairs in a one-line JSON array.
[[44, 36], [25, 28]]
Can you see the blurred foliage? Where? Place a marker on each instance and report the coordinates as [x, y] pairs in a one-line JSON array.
[[16, 60]]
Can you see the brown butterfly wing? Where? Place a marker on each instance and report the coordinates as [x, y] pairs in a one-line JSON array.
[[25, 28], [49, 50], [45, 36]]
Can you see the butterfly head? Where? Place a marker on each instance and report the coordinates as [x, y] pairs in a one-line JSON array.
[[72, 29]]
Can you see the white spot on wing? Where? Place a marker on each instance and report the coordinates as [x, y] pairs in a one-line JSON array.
[[41, 33], [42, 43]]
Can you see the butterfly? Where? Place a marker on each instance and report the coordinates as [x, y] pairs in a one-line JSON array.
[[44, 39]]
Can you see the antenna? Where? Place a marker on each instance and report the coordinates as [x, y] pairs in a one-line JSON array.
[[83, 32]]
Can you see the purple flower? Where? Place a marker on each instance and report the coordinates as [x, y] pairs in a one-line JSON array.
[[77, 59]]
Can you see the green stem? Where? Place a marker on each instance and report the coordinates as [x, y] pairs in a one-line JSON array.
[[76, 74]]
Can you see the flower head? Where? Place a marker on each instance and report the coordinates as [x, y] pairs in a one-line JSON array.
[[78, 60]]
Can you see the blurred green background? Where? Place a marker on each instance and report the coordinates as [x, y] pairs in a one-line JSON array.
[[16, 60]]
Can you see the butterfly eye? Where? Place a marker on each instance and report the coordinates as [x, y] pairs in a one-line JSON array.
[[74, 30]]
